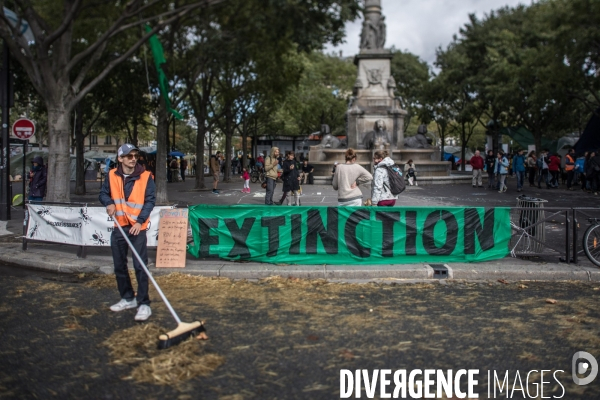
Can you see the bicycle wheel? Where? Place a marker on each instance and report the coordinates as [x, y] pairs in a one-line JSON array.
[[591, 244], [254, 178]]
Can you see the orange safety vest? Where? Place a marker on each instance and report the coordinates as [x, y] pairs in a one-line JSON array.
[[128, 209], [570, 167]]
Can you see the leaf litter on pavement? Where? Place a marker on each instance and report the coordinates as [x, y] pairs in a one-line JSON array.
[[350, 325]]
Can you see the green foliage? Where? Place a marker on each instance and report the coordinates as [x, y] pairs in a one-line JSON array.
[[320, 97], [521, 66], [411, 75]]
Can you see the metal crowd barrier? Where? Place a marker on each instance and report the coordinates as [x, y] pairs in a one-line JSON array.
[[580, 222], [531, 230]]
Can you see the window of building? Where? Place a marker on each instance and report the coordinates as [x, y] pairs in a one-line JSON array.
[[107, 140], [94, 139]]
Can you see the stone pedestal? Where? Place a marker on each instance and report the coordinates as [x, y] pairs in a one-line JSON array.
[[374, 100]]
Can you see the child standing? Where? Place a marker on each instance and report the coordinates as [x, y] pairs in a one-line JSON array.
[[246, 177]]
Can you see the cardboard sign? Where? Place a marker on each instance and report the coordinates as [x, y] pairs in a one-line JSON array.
[[172, 238]]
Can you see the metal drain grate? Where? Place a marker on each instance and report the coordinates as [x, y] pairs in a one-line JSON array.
[[440, 271]]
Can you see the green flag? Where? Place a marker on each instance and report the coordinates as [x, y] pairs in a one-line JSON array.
[[163, 83]]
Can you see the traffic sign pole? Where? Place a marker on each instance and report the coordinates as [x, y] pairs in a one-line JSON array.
[[5, 156], [25, 142]]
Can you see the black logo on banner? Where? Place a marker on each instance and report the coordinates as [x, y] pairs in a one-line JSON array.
[[98, 238], [44, 211], [33, 231], [83, 215]]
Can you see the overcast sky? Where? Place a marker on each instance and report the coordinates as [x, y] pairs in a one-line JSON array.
[[421, 26]]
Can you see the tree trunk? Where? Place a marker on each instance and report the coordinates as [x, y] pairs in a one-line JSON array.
[[228, 155], [59, 160], [463, 146], [200, 156], [442, 131], [162, 131], [134, 136], [537, 138], [244, 146], [79, 150], [228, 137]]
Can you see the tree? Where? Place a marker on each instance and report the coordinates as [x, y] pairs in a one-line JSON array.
[[411, 74], [59, 72], [460, 94], [320, 97], [573, 31], [516, 75]]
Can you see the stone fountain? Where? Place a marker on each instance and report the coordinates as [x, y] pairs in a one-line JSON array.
[[375, 118]]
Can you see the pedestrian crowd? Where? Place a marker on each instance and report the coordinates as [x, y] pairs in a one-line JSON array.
[[543, 168]]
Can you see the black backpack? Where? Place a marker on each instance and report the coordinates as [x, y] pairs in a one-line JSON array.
[[397, 184]]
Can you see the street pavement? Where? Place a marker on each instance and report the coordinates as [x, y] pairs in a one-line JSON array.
[[63, 258], [287, 338]]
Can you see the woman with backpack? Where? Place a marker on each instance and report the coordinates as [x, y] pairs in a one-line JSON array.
[[381, 194], [411, 172]]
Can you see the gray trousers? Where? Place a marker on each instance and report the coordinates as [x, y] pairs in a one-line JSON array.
[[477, 177], [270, 190]]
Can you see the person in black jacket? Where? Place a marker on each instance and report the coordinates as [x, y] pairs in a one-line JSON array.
[[291, 180], [490, 162], [37, 180], [595, 171], [129, 195], [307, 173]]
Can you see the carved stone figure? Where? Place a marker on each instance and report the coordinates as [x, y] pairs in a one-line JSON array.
[[419, 141], [374, 75], [331, 142], [373, 32], [382, 33], [377, 138], [368, 35]]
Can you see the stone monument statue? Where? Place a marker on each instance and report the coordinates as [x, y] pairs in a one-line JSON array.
[[374, 29], [331, 142], [378, 138], [419, 141]]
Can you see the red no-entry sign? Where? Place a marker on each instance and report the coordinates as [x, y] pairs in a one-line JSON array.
[[23, 128]]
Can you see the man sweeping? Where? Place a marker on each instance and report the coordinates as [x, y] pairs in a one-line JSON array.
[[129, 195]]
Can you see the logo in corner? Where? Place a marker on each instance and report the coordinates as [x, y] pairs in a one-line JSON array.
[[580, 367]]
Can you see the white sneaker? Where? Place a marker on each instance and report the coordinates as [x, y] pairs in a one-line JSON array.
[[123, 305], [144, 312]]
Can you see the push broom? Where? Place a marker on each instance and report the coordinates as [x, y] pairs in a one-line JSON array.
[[184, 330]]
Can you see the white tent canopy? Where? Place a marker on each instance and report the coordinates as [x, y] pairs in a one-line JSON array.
[[16, 163]]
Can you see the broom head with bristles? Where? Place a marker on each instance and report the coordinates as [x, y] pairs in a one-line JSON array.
[[183, 331]]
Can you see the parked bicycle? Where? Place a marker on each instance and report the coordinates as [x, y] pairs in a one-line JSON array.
[[591, 241], [257, 176]]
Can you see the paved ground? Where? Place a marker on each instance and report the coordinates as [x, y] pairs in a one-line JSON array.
[[183, 193], [284, 338]]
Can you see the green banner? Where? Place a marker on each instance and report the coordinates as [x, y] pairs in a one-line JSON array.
[[163, 82], [350, 235]]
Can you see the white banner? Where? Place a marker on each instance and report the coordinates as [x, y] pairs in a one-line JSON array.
[[80, 226]]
